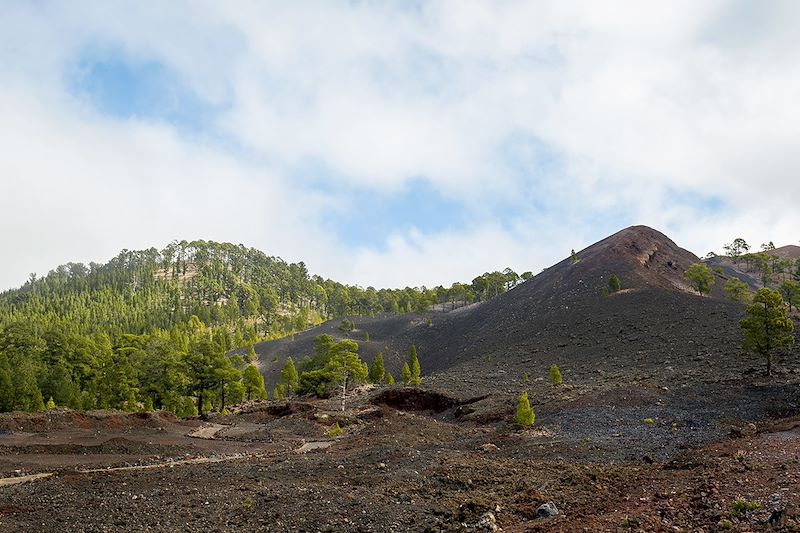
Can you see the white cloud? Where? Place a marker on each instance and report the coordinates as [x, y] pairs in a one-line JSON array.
[[639, 112]]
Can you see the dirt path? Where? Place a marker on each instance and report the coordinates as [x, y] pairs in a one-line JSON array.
[[8, 481]]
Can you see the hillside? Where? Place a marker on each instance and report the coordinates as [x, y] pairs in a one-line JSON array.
[[560, 316], [249, 293]]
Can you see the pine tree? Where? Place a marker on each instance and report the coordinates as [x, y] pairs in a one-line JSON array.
[[737, 290], [289, 376], [406, 374], [414, 366], [389, 379], [791, 293], [279, 393], [525, 416], [27, 396], [6, 384], [251, 354], [50, 404], [253, 383], [555, 375], [700, 277], [377, 370], [767, 325], [573, 257], [345, 366]]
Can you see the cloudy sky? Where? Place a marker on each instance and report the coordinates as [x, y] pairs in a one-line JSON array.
[[394, 143]]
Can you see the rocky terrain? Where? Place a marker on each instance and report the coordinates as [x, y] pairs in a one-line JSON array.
[[662, 424]]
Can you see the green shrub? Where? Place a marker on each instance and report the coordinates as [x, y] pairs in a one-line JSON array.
[[555, 375], [525, 416], [649, 421], [335, 430], [614, 284], [740, 506]]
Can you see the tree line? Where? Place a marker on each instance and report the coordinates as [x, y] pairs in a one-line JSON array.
[[184, 370]]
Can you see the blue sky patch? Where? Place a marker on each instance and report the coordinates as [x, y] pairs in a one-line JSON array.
[[147, 90], [375, 216]]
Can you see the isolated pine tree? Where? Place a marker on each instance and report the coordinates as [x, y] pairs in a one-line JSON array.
[[406, 374], [767, 325], [700, 277], [525, 416], [414, 366], [389, 378], [555, 375], [51, 404]]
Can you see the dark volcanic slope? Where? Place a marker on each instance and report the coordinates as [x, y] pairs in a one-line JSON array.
[[560, 316]]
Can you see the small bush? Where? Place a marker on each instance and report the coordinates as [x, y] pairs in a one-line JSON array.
[[248, 503], [649, 421], [525, 416], [740, 506], [335, 430], [614, 284], [50, 403], [555, 375]]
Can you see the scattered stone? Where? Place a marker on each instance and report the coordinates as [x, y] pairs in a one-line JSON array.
[[489, 447], [487, 523], [546, 510], [381, 466]]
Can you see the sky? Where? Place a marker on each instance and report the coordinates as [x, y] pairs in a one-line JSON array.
[[394, 143]]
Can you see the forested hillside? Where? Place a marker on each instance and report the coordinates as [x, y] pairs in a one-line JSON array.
[[125, 334]]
